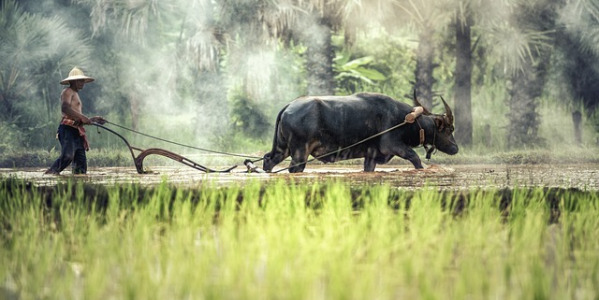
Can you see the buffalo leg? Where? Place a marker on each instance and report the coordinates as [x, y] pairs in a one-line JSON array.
[[411, 155], [370, 159], [298, 161], [369, 164], [271, 160]]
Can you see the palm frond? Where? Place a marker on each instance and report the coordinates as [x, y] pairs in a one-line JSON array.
[[35, 50], [592, 7], [580, 19], [425, 14], [516, 45]]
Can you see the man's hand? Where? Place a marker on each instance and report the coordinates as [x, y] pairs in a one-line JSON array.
[[98, 119]]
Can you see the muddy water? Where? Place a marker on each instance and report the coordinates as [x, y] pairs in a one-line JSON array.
[[582, 176]]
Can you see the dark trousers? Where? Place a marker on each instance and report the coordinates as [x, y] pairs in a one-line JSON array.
[[72, 151]]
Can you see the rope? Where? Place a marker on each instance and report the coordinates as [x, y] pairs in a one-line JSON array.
[[183, 145], [345, 148], [407, 120]]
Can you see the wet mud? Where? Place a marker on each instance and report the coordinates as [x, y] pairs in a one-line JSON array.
[[451, 177]]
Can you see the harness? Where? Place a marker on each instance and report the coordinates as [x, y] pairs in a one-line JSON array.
[[414, 116], [430, 148]]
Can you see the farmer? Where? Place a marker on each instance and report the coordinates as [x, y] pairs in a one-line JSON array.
[[71, 133]]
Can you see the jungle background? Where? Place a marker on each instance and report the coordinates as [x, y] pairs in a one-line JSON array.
[[520, 75]]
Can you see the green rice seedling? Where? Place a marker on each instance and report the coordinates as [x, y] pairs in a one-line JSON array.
[[294, 240]]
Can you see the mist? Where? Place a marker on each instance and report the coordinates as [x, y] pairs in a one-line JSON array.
[[179, 70]]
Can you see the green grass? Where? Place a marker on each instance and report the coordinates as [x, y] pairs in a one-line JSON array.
[[289, 240]]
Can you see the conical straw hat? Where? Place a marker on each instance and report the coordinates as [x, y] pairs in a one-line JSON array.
[[76, 74]]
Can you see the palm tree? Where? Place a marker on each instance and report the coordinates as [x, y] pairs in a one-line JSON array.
[[577, 46], [469, 14], [428, 19], [313, 22], [519, 34], [137, 32], [35, 52], [528, 66], [463, 74]]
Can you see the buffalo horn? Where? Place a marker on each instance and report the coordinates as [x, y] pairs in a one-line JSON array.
[[417, 103], [447, 111]]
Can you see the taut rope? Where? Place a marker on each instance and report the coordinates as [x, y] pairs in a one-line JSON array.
[[183, 145]]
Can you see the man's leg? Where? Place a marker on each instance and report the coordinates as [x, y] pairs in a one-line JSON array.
[[80, 160], [66, 136]]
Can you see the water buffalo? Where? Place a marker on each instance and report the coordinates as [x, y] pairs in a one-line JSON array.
[[319, 125]]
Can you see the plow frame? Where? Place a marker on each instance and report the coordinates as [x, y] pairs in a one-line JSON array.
[[143, 153]]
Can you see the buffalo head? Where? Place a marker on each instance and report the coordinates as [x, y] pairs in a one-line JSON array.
[[443, 136]]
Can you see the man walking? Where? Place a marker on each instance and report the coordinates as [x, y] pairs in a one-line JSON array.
[[71, 133]]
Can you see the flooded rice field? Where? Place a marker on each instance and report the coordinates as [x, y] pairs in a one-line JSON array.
[[580, 176]]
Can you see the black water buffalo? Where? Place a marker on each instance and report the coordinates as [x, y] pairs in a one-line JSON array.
[[322, 126]]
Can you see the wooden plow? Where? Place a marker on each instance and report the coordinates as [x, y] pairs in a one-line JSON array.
[[143, 153]]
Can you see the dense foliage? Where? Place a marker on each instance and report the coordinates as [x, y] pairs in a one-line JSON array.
[[215, 73]]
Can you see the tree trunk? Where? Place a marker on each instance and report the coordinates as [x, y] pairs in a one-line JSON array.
[[577, 120], [424, 69], [463, 82], [523, 117], [319, 59], [527, 83]]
